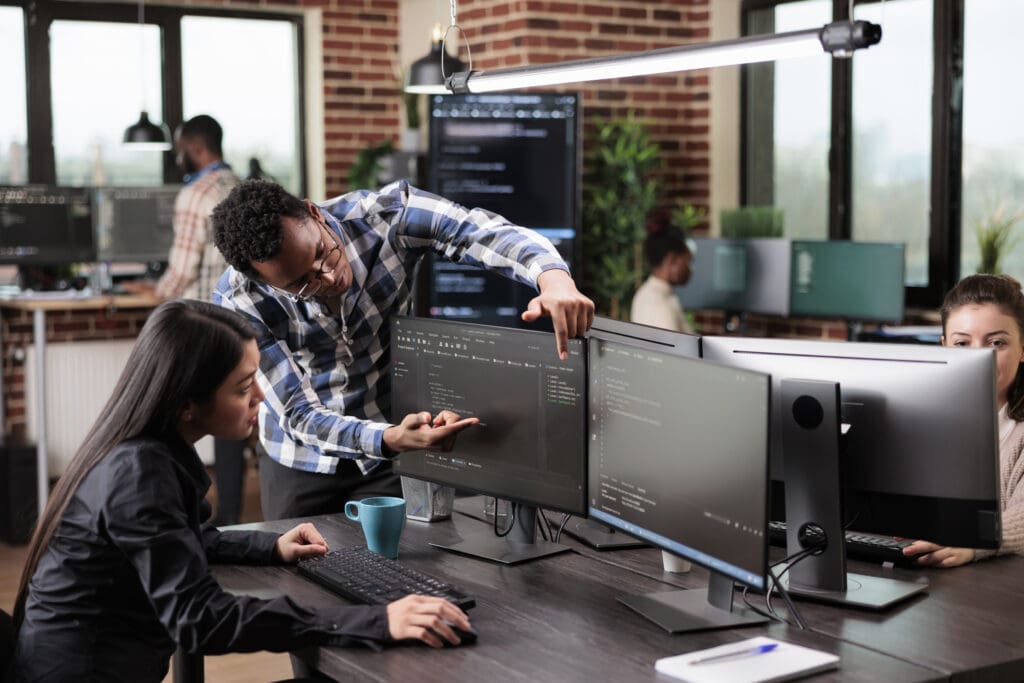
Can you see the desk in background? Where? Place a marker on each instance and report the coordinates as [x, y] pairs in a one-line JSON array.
[[554, 619]]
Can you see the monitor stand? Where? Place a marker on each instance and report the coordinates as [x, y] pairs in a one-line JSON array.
[[682, 611], [600, 536], [811, 447], [519, 546]]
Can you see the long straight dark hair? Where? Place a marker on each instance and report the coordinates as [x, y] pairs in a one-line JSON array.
[[1003, 291], [184, 353]]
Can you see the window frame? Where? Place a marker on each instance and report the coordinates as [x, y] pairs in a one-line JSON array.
[[38, 18], [946, 143]]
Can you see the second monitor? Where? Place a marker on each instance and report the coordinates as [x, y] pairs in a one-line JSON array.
[[529, 446]]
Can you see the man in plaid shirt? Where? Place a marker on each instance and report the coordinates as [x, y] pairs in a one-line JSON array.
[[321, 283]]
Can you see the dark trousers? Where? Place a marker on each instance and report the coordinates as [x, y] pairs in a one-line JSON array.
[[229, 474], [287, 492]]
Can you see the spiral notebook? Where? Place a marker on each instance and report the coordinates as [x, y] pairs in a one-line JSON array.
[[734, 663]]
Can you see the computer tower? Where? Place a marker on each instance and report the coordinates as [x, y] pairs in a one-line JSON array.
[[18, 496]]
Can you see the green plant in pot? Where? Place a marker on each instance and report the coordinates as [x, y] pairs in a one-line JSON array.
[[363, 175], [996, 236], [618, 195]]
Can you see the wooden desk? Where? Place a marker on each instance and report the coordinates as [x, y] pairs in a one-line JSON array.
[[39, 305], [554, 619], [967, 626]]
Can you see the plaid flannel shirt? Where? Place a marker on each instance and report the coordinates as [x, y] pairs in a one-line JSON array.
[[195, 264], [325, 376]]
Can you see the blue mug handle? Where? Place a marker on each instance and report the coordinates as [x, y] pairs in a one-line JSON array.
[[352, 510]]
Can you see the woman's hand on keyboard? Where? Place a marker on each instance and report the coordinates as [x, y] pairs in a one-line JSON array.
[[932, 555], [418, 617], [301, 542]]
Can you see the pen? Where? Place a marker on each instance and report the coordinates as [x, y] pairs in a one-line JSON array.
[[749, 652]]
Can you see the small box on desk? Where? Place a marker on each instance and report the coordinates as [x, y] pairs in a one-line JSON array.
[[18, 496]]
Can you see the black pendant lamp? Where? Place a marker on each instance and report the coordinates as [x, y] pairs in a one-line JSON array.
[[425, 75], [144, 134]]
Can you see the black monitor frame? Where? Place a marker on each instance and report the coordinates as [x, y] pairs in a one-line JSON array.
[[681, 611], [502, 300], [913, 463], [108, 224], [590, 531], [519, 544], [42, 246]]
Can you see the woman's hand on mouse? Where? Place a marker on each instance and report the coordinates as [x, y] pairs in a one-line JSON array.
[[419, 617]]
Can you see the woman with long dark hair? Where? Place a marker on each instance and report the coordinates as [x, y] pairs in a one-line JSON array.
[[117, 572], [987, 312]]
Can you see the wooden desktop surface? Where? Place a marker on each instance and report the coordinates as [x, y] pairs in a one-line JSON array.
[[554, 619], [72, 302], [967, 625]]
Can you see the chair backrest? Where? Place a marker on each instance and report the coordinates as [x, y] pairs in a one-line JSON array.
[[6, 645]]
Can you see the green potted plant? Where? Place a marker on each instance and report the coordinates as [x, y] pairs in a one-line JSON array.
[[364, 172], [996, 236], [619, 194]]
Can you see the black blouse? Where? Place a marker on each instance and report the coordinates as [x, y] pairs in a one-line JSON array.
[[125, 579]]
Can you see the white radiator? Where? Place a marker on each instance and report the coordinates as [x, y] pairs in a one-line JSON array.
[[80, 376]]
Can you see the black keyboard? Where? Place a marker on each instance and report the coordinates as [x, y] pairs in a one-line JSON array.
[[859, 546], [365, 577]]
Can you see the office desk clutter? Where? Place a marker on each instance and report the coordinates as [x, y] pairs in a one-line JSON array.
[[757, 660]]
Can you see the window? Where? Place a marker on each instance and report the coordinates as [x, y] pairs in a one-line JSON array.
[[13, 117], [892, 132], [895, 138], [102, 76], [257, 106], [993, 138], [802, 115]]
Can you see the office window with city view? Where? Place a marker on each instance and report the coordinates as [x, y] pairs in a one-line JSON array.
[[892, 132], [993, 147], [14, 128], [102, 75], [258, 105]]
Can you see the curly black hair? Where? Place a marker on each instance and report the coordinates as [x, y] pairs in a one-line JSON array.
[[247, 223]]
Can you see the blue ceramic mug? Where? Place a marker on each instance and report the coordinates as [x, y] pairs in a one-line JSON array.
[[382, 520]]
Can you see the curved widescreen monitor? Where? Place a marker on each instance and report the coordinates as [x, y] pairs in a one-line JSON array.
[[529, 446], [921, 455], [678, 454]]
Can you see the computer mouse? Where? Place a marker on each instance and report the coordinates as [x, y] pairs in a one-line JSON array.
[[466, 636]]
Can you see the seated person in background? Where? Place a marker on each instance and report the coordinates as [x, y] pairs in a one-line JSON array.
[[117, 572], [655, 302], [320, 283], [987, 312]]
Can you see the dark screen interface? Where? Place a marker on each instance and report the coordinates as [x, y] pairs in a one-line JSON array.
[[679, 455], [530, 445]]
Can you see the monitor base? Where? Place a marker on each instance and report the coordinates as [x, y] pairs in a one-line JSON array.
[[501, 550], [862, 592], [600, 536], [683, 611]]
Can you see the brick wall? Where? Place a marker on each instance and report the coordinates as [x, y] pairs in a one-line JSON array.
[[676, 107], [61, 326]]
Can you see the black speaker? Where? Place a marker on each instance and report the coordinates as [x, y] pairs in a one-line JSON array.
[[18, 507]]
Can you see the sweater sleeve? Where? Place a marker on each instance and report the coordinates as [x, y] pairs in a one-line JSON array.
[[1011, 486]]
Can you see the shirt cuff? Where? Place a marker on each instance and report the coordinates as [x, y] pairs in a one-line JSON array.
[[539, 267], [364, 625], [371, 440]]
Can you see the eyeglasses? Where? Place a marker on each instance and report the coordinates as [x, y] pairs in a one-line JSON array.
[[328, 262]]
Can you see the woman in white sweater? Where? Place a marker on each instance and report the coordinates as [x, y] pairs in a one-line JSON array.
[[987, 311]]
